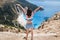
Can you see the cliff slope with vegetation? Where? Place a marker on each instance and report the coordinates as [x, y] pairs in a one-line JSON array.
[[52, 25]]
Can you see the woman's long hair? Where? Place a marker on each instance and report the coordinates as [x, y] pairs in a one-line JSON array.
[[29, 12]]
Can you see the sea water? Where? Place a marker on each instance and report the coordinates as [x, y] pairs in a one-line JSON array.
[[50, 8]]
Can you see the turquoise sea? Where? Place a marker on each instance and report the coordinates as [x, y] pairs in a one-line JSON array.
[[50, 8]]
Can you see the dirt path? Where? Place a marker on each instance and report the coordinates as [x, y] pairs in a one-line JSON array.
[[20, 36]]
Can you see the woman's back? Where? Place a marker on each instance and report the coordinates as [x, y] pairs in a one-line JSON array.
[[29, 19]]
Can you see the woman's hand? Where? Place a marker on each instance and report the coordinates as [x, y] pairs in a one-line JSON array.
[[41, 8]]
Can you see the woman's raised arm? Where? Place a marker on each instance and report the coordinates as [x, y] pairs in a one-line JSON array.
[[21, 8], [39, 8]]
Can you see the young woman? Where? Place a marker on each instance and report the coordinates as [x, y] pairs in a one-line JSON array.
[[29, 16]]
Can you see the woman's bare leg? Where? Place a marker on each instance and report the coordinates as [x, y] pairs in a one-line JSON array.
[[31, 33], [27, 34]]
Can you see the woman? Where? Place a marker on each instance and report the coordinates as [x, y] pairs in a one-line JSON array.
[[29, 16]]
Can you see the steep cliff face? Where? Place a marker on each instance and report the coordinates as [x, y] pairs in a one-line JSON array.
[[52, 25], [8, 11]]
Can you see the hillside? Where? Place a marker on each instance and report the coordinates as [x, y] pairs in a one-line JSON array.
[[52, 25]]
